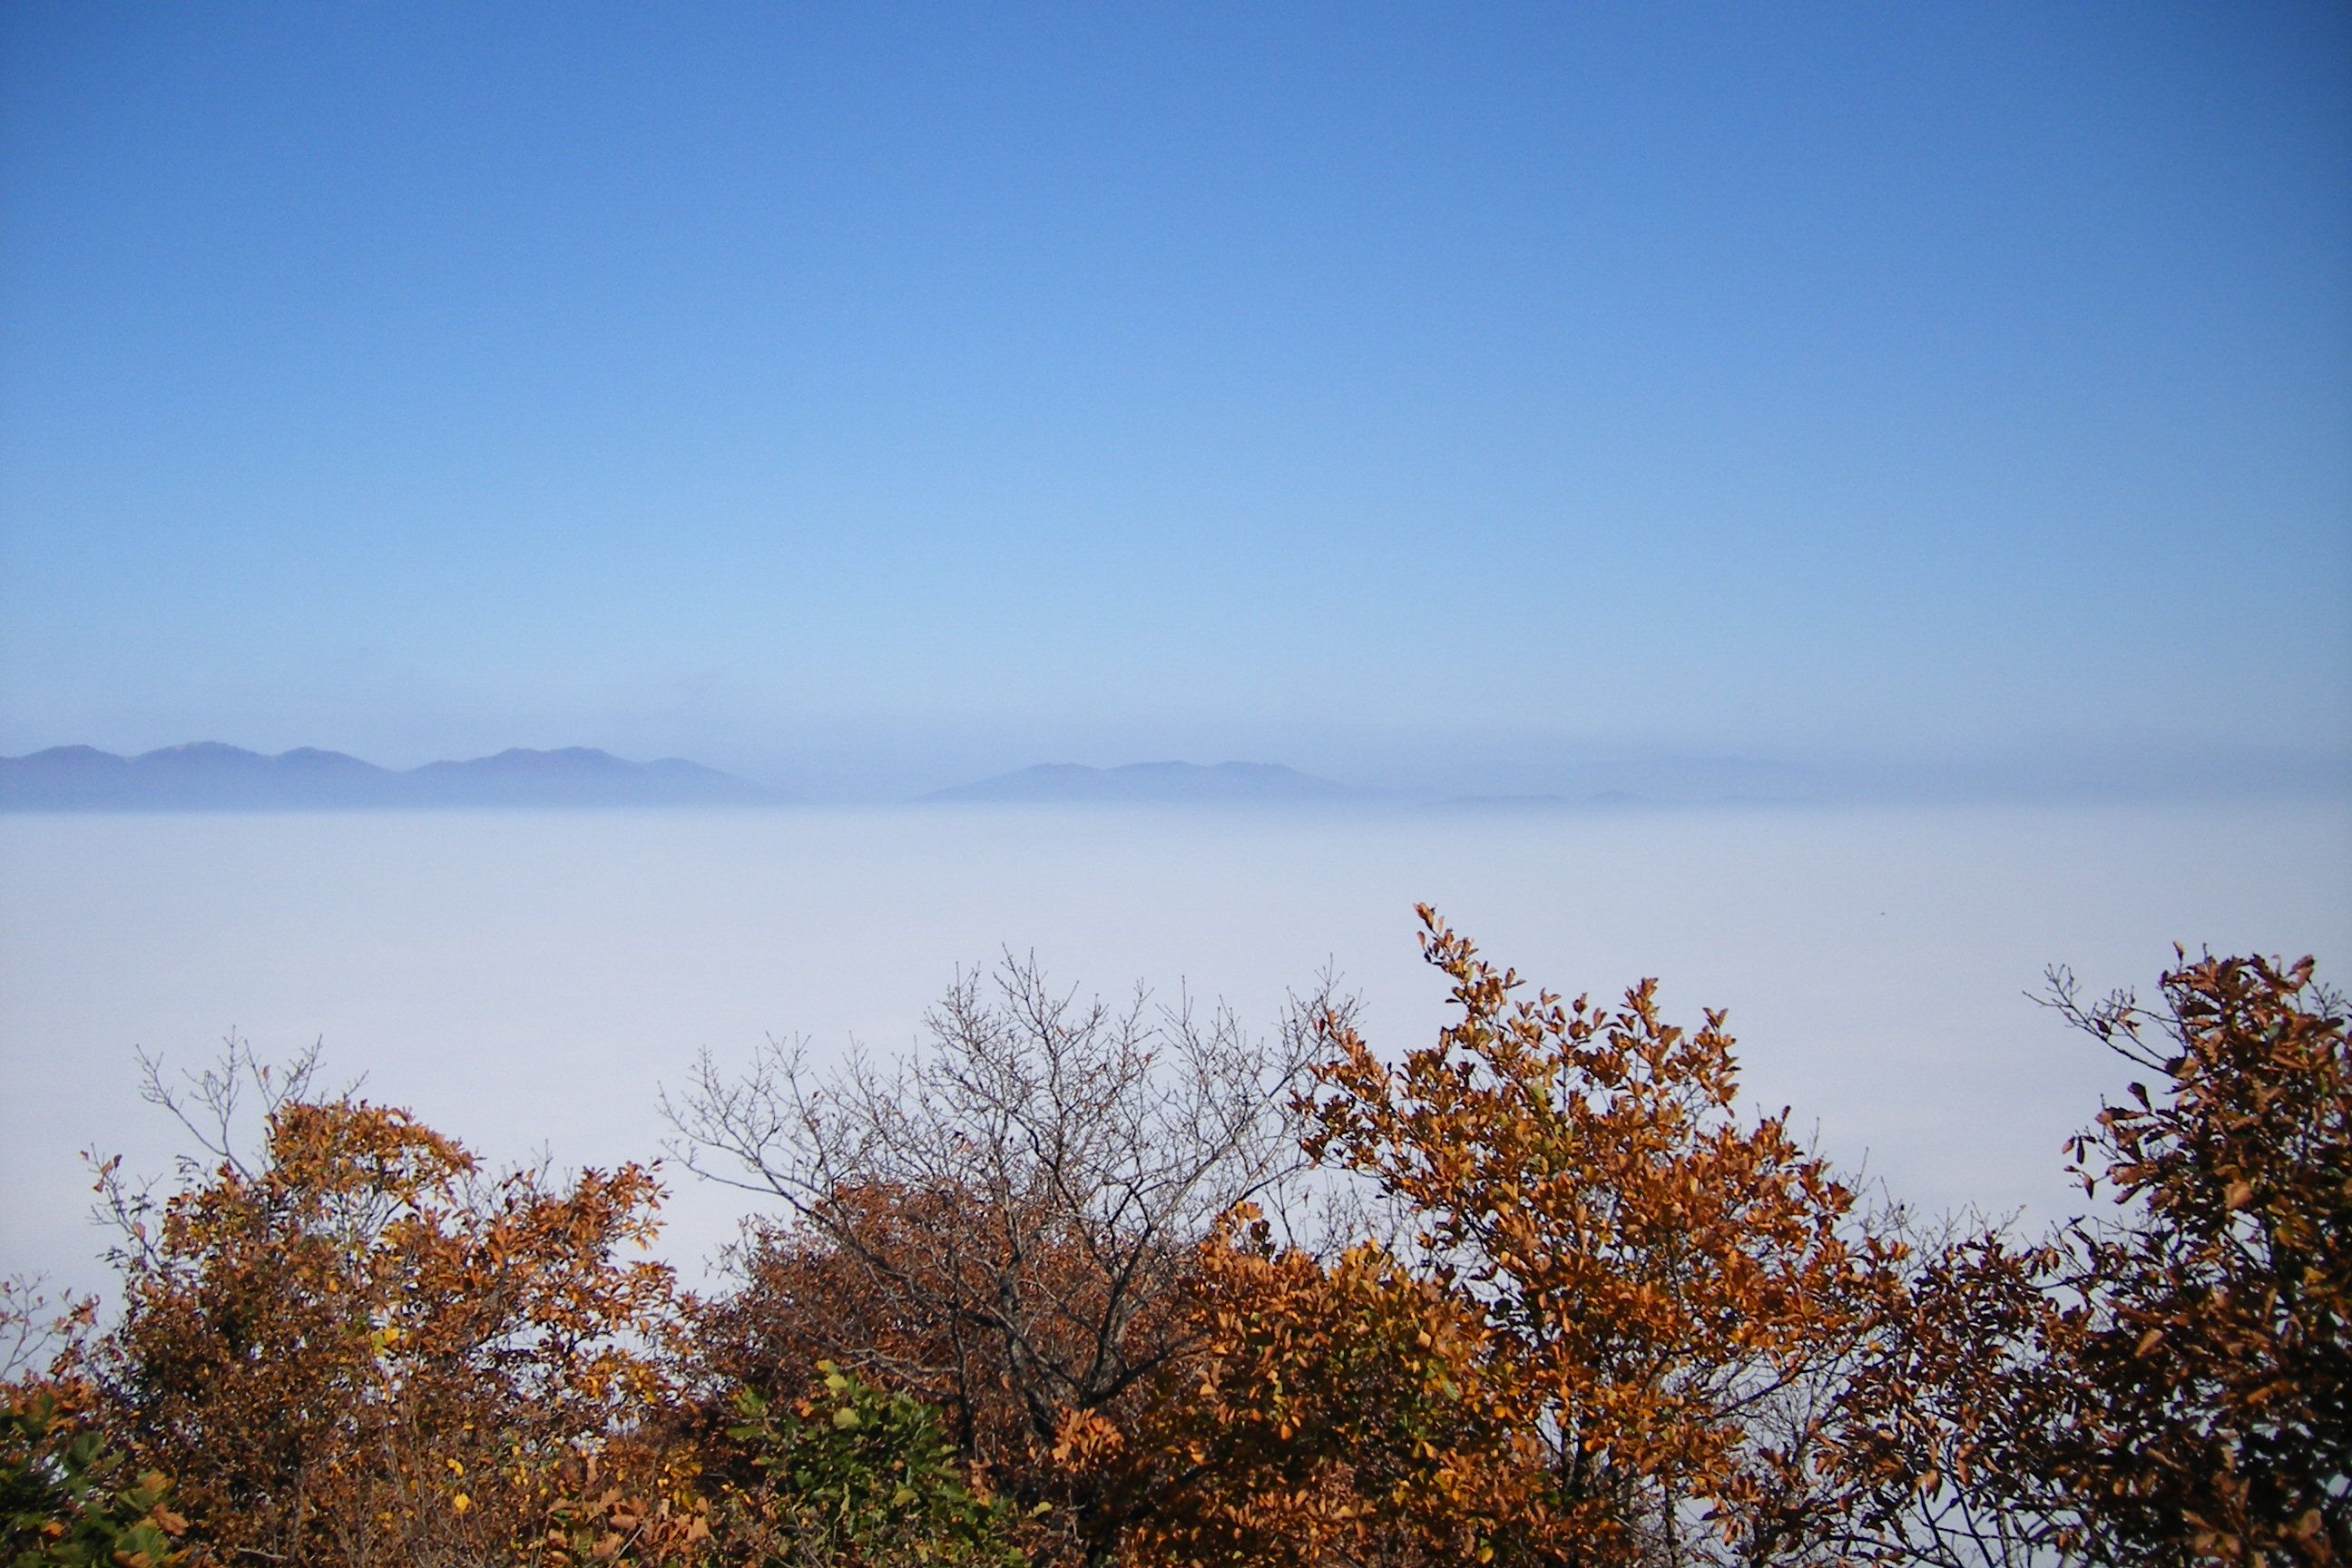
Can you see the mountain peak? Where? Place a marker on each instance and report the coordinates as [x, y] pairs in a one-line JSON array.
[[209, 775]]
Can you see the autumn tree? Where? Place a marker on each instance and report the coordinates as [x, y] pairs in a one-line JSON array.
[[1946, 1431], [999, 1224], [2166, 1380], [1325, 1415], [1030, 1294], [356, 1346], [2215, 1357], [1619, 1337]]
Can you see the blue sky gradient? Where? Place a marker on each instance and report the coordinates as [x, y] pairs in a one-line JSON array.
[[863, 398]]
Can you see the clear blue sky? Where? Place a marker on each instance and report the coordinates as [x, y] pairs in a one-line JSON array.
[[860, 392]]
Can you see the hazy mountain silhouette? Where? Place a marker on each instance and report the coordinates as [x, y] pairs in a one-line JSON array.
[[1650, 782], [1149, 784], [205, 775]]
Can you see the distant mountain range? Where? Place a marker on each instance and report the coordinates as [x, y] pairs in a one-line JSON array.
[[1604, 788], [208, 776], [1152, 783]]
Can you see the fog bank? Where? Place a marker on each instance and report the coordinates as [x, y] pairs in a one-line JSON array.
[[527, 981]]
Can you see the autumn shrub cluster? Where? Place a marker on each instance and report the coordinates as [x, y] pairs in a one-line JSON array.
[[1083, 1284]]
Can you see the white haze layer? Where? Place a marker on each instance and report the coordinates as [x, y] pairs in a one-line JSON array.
[[528, 982]]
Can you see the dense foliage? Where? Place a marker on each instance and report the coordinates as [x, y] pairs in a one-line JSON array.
[[1046, 1295]]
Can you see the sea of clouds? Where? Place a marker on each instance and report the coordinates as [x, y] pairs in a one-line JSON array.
[[528, 982]]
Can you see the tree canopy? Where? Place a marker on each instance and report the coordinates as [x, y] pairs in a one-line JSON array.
[[1032, 1297]]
